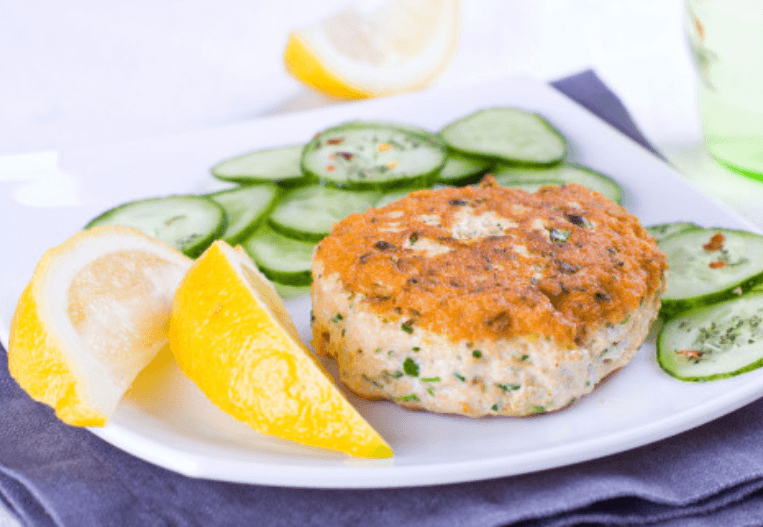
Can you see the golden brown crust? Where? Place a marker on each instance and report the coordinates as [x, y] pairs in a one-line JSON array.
[[558, 263]]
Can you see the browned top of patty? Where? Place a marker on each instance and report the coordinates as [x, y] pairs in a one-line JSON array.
[[559, 263]]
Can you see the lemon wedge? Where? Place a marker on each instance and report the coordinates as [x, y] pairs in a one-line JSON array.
[[94, 314], [376, 47], [230, 333]]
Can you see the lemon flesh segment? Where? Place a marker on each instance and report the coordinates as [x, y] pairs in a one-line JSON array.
[[231, 335], [94, 314], [376, 47]]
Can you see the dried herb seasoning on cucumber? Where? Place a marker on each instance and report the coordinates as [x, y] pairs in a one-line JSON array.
[[708, 266], [714, 342], [713, 307], [374, 155]]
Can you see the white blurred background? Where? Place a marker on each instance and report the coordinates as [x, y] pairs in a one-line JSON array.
[[83, 72]]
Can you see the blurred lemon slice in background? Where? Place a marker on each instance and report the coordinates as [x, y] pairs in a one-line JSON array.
[[230, 334], [94, 314], [376, 47]]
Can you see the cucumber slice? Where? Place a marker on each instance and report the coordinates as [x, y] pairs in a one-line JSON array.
[[187, 222], [663, 230], [281, 164], [280, 258], [530, 186], [308, 213], [389, 197], [245, 207], [462, 169], [374, 155], [708, 266], [510, 176], [288, 292], [714, 342], [507, 134]]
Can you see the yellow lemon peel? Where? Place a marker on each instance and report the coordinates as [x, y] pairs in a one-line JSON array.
[[231, 335]]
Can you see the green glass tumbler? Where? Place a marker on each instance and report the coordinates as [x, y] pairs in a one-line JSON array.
[[726, 40]]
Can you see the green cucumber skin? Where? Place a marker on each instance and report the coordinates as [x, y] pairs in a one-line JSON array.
[[291, 178], [298, 277], [304, 179], [672, 308], [288, 292], [705, 378], [662, 230], [530, 187], [192, 251], [293, 233], [754, 366], [422, 180], [504, 176], [246, 233], [472, 169], [255, 224], [390, 197], [419, 182], [499, 158], [322, 206], [289, 279]]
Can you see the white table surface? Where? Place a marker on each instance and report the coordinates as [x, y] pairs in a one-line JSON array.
[[83, 73]]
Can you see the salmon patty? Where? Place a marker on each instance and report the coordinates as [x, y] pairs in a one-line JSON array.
[[485, 300]]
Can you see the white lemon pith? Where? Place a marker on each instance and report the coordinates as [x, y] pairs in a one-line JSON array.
[[376, 47], [94, 314], [231, 335]]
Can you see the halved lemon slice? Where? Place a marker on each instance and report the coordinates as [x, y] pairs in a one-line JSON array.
[[376, 47], [94, 314], [231, 335]]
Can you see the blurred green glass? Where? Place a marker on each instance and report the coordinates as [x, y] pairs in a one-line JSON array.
[[726, 39]]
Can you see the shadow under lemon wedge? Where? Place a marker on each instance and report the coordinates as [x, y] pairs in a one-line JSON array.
[[230, 334], [376, 47]]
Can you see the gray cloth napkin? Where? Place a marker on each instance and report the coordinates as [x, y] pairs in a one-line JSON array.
[[55, 475]]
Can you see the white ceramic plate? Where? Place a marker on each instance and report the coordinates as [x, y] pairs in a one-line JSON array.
[[167, 421]]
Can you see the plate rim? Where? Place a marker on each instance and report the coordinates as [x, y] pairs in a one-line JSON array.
[[356, 475]]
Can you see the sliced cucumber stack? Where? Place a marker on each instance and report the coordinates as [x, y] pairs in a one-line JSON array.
[[308, 213], [708, 266], [187, 222], [282, 165], [280, 258], [374, 155], [507, 134], [714, 342], [533, 178], [245, 208], [663, 230]]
